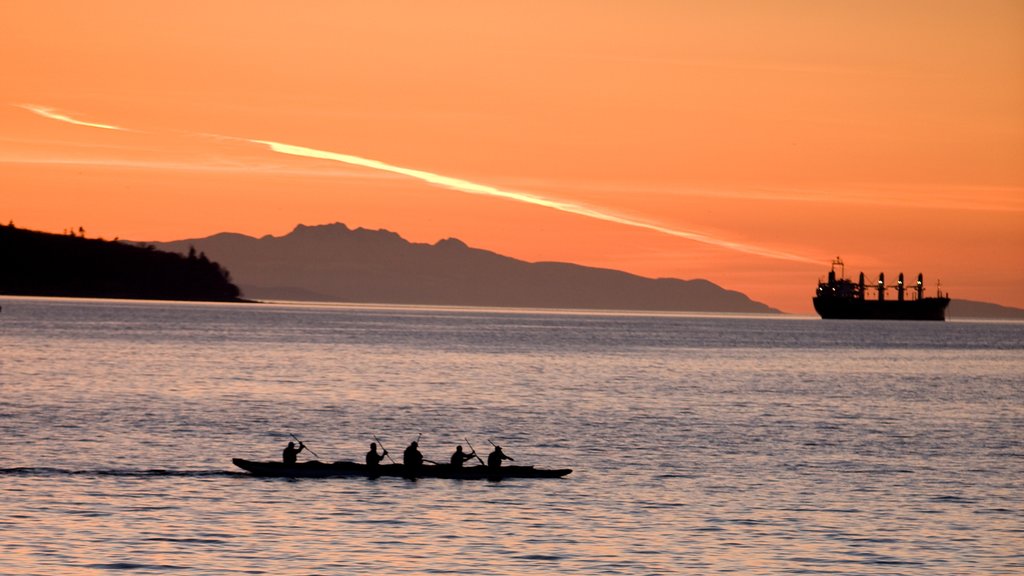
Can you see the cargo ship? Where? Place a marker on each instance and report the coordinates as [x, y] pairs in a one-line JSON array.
[[841, 298]]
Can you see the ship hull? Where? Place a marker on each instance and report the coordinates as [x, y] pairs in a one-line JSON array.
[[857, 309]]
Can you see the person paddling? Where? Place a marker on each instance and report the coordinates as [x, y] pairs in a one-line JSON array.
[[494, 458], [290, 452], [412, 459], [458, 457], [372, 457]]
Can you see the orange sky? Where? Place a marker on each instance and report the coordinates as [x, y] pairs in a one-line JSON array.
[[743, 142]]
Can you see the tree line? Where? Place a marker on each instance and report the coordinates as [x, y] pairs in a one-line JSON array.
[[42, 264]]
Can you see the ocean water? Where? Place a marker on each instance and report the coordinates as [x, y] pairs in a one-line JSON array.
[[700, 444]]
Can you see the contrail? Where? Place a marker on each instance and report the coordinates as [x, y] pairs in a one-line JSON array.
[[54, 115], [461, 185], [483, 189]]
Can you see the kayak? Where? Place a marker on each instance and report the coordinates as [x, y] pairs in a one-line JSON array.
[[343, 469]]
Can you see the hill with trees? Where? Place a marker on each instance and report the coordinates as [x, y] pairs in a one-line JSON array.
[[42, 264]]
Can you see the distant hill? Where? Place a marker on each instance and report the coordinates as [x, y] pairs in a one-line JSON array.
[[334, 263], [963, 309], [41, 264]]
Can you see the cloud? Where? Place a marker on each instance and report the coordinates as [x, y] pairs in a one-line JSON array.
[[52, 114], [187, 165], [527, 198], [466, 186]]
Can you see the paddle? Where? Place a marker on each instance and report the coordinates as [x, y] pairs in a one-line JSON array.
[[474, 451], [317, 456], [381, 444]]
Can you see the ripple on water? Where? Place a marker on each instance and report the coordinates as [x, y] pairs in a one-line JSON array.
[[701, 445]]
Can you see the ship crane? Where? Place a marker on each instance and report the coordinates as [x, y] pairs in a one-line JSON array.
[[900, 286]]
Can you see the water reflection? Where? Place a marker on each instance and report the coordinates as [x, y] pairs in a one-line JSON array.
[[701, 445]]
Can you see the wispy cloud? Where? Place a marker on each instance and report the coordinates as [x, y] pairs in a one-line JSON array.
[[923, 196], [526, 198], [187, 165], [53, 114], [468, 187]]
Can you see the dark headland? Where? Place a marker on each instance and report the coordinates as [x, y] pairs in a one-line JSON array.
[[41, 264], [333, 263]]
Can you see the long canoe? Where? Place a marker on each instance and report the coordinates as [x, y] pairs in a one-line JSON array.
[[316, 469]]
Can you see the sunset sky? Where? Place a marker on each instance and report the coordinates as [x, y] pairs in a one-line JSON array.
[[748, 143]]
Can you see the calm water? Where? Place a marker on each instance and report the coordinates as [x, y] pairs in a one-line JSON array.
[[701, 445]]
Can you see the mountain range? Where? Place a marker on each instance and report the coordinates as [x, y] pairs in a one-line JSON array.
[[332, 262], [983, 310]]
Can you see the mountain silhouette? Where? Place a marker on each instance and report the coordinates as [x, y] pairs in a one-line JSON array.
[[982, 310], [334, 263]]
